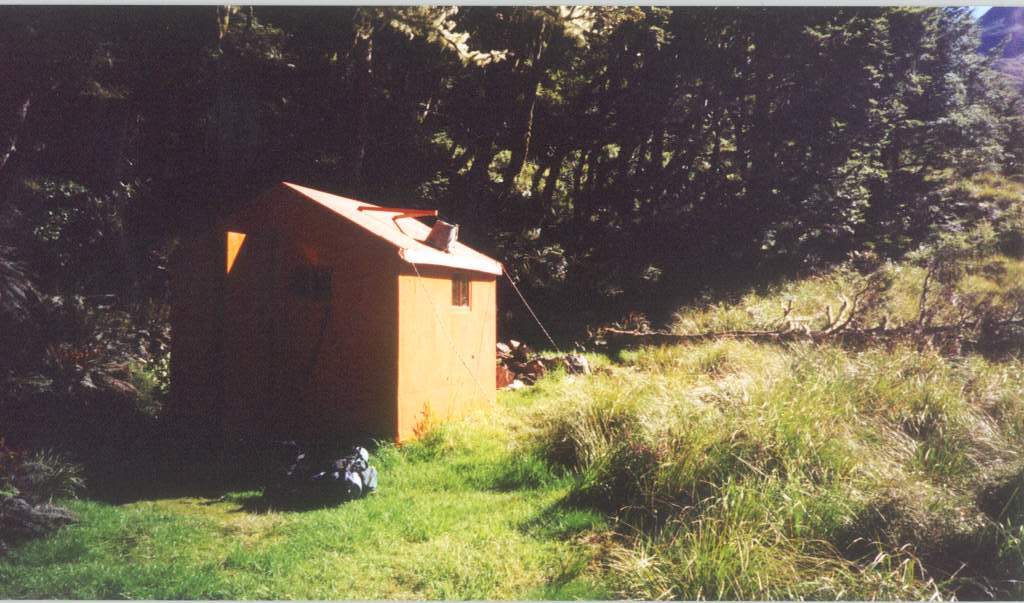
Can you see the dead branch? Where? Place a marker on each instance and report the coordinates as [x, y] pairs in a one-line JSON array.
[[617, 339], [846, 326]]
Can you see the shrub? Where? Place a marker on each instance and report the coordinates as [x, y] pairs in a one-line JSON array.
[[151, 381], [38, 477], [997, 200]]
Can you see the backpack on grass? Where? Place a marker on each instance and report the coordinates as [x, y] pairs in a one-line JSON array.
[[305, 481]]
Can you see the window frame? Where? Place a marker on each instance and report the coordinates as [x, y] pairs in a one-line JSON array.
[[461, 288]]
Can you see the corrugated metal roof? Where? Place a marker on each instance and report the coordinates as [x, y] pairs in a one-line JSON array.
[[405, 233]]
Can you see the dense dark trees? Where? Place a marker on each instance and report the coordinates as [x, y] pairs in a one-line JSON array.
[[614, 158]]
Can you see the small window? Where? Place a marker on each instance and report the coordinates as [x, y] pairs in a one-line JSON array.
[[460, 291], [235, 241], [312, 282]]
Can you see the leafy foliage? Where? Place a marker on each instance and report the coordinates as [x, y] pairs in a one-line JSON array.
[[708, 142]]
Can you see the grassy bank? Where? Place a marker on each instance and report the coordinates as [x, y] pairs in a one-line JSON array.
[[745, 471], [742, 471], [723, 470]]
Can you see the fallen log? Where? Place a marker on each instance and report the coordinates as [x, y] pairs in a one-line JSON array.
[[618, 339]]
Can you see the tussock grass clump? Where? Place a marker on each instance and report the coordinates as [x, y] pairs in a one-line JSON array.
[[747, 471]]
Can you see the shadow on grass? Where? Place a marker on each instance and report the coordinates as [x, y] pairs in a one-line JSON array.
[[572, 583], [163, 464], [562, 520], [162, 474], [131, 483], [523, 472], [256, 502]]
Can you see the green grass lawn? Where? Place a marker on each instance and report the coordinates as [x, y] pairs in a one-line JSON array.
[[453, 519]]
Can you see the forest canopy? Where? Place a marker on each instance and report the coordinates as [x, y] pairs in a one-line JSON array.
[[613, 158]]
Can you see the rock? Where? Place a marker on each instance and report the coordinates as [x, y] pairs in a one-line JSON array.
[[576, 364], [20, 519], [520, 351], [536, 369], [516, 367], [516, 362]]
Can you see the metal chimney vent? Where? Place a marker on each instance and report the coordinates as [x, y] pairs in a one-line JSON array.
[[442, 235]]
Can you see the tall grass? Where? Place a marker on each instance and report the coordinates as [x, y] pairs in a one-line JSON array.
[[747, 471]]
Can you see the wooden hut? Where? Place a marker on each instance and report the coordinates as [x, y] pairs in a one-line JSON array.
[[309, 314]]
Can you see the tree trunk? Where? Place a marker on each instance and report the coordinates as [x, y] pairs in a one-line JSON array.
[[521, 143], [364, 91], [652, 161], [476, 179], [524, 122], [577, 177], [579, 206], [624, 164], [538, 175]]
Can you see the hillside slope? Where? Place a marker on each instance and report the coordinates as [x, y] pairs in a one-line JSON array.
[[1001, 23], [883, 468], [725, 470]]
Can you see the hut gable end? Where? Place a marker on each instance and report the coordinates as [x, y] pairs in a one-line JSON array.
[[307, 314]]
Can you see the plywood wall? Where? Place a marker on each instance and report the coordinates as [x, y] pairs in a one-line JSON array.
[[197, 291], [446, 353], [308, 366]]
